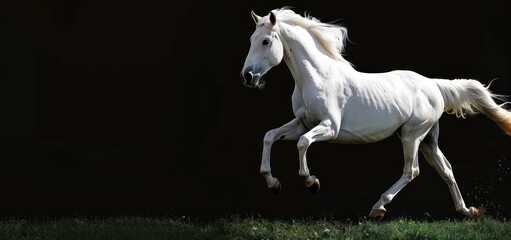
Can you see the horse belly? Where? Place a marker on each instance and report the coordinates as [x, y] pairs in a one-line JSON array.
[[367, 127]]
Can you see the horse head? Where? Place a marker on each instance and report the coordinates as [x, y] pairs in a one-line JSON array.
[[266, 50]]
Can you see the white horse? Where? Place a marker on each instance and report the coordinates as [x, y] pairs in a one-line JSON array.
[[333, 102]]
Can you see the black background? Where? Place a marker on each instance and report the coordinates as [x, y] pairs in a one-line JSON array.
[[137, 107]]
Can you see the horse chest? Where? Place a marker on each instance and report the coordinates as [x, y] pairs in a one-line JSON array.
[[309, 108], [309, 115]]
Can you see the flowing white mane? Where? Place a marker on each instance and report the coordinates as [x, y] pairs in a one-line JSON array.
[[330, 37]]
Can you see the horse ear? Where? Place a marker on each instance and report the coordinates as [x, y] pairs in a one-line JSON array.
[[255, 17], [273, 18]]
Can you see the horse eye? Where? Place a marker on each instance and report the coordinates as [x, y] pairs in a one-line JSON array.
[[266, 42]]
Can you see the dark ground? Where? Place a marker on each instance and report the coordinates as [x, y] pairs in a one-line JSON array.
[[130, 107]]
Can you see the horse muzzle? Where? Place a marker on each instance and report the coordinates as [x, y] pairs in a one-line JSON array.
[[252, 80]]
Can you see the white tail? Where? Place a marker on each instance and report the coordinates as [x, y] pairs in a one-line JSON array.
[[467, 96]]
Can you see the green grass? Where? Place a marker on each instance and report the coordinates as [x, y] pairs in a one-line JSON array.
[[139, 228]]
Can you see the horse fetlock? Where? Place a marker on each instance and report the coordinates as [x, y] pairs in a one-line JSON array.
[[305, 174], [265, 171], [387, 198]]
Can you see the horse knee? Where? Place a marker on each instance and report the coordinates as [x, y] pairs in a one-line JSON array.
[[462, 209], [269, 138], [303, 144], [411, 174]]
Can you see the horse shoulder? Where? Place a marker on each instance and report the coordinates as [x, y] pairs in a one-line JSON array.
[[297, 103]]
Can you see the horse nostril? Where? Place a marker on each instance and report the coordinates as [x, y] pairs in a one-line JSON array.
[[247, 76]]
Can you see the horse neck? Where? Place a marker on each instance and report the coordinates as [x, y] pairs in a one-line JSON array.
[[306, 62]]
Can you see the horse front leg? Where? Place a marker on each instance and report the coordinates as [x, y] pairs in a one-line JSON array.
[[289, 131], [321, 132]]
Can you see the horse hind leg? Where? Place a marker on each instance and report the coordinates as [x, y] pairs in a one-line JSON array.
[[410, 171], [435, 158], [311, 182]]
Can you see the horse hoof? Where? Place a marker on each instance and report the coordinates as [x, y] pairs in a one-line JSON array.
[[474, 212], [276, 187], [314, 188], [377, 213]]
